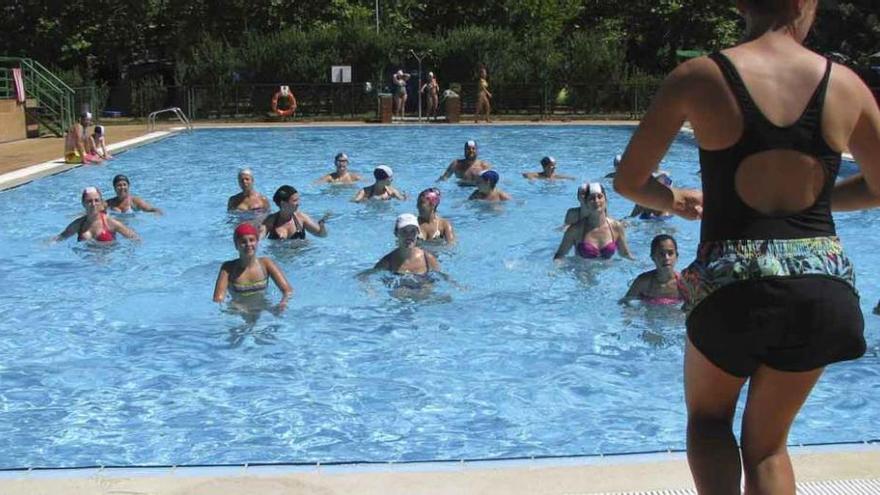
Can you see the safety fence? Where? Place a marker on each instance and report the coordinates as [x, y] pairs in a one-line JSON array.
[[359, 100]]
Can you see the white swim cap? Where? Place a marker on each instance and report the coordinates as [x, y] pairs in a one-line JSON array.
[[617, 159], [405, 220], [86, 115], [383, 172], [430, 74], [91, 190], [589, 188], [285, 90], [246, 171], [99, 129], [471, 143], [400, 72]]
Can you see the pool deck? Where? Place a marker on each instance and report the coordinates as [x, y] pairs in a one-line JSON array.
[[839, 469]]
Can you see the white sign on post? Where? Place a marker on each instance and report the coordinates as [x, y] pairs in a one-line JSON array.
[[340, 73]]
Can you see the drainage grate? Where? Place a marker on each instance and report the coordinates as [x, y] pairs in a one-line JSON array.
[[846, 487]]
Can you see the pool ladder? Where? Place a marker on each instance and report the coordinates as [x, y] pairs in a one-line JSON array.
[[151, 119]]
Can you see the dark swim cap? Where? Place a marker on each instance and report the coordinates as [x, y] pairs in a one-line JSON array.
[[547, 160], [120, 178], [491, 177]]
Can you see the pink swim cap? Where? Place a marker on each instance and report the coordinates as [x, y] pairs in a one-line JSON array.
[[245, 229]]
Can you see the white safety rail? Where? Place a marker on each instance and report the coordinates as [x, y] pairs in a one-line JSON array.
[[151, 119]]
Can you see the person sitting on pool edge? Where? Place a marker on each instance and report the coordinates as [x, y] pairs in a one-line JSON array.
[[289, 222], [95, 225], [249, 274], [76, 148], [660, 285], [249, 199], [431, 225], [487, 189], [407, 257], [381, 189], [595, 234], [467, 169], [98, 144], [342, 174], [645, 213], [124, 201], [548, 163]]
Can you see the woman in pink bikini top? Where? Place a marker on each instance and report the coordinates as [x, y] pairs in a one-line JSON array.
[[595, 235]]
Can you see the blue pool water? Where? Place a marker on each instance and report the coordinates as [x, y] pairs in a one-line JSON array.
[[119, 357]]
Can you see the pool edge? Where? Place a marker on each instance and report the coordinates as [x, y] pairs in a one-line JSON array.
[[30, 173]]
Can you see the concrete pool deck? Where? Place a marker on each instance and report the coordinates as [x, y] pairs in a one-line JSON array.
[[839, 470]]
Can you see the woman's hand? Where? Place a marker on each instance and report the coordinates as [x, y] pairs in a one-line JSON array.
[[687, 203]]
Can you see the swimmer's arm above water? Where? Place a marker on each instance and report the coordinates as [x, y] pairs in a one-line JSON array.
[[142, 205], [318, 228], [622, 245], [280, 281], [120, 227], [449, 171], [221, 284], [72, 228], [568, 240]]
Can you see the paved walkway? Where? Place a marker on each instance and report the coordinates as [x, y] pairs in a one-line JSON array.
[[838, 470]]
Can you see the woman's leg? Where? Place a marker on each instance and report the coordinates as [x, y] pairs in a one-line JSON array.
[[774, 399], [711, 394]]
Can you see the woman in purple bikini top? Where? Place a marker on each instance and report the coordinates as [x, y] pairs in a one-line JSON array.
[[590, 235]]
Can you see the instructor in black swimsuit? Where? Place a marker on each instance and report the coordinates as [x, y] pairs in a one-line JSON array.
[[772, 291]]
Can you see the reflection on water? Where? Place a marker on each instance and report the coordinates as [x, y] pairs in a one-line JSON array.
[[250, 309]]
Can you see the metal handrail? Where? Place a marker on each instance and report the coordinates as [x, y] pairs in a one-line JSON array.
[[151, 119], [44, 86]]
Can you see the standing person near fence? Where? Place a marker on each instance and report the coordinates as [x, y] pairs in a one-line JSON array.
[[283, 102], [431, 89], [400, 79], [483, 96], [772, 292]]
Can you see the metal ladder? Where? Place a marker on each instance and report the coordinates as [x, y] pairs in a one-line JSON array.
[[151, 119]]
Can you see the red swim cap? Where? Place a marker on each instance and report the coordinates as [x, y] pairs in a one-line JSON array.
[[244, 229]]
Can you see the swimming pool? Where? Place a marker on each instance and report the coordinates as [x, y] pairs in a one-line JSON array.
[[118, 356]]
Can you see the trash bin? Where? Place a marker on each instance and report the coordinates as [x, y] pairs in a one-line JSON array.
[[385, 108], [453, 109]]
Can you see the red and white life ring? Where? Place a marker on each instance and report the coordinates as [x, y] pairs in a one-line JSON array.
[[291, 104]]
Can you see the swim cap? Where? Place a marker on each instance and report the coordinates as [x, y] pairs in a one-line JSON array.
[[244, 229], [430, 74], [470, 144], [433, 195], [85, 115], [547, 160], [285, 90], [383, 172], [617, 160], [406, 220], [90, 190], [245, 171], [340, 156], [589, 188], [400, 72], [490, 176], [120, 178], [99, 129]]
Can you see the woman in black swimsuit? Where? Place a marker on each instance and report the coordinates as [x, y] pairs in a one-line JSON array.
[[289, 222], [771, 293]]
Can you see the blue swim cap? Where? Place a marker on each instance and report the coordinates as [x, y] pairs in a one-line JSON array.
[[490, 176]]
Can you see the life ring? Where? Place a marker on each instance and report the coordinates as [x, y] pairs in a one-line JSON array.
[[291, 104]]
